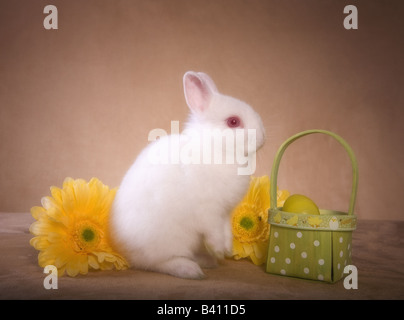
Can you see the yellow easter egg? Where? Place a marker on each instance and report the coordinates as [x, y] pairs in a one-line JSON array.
[[298, 203]]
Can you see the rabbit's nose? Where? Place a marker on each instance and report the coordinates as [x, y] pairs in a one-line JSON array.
[[261, 139], [264, 133]]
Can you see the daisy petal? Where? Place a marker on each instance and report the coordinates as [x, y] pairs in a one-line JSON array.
[[39, 242], [92, 262], [72, 267], [37, 212]]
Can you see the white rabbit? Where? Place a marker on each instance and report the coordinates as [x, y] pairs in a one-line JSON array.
[[175, 218]]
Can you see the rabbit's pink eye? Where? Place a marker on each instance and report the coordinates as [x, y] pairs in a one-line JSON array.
[[233, 122]]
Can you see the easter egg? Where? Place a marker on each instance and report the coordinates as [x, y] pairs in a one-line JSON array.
[[298, 203]]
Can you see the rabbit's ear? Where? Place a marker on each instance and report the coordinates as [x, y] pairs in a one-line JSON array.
[[198, 90], [208, 81]]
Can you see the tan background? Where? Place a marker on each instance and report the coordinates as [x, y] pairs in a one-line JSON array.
[[79, 101]]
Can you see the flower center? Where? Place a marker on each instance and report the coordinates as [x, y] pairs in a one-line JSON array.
[[249, 224], [246, 223], [86, 236]]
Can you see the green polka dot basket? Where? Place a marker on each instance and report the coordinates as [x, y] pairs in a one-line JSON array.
[[315, 247]]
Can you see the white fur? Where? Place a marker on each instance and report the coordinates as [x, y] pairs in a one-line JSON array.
[[174, 218]]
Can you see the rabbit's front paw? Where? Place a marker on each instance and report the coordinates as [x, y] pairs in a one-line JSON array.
[[215, 250]]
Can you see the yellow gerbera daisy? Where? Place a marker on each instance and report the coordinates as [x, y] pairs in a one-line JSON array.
[[71, 231], [250, 221]]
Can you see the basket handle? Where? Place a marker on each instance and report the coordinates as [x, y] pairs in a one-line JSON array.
[[281, 150]]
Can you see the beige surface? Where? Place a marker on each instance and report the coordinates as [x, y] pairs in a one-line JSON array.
[[80, 101], [377, 253]]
